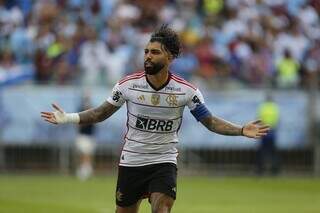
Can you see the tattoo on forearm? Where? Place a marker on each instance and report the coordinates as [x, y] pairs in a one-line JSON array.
[[98, 114], [221, 126]]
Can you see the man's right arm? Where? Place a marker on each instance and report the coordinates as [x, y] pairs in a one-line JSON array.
[[90, 116], [98, 114]]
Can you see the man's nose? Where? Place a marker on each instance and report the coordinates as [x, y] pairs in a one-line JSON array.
[[148, 56]]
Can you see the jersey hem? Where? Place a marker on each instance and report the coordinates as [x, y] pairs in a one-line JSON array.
[[146, 164]]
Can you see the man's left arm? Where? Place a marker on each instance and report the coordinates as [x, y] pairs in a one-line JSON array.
[[254, 129], [221, 126], [198, 109]]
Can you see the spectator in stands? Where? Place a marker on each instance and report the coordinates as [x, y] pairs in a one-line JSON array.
[[206, 57], [224, 29], [311, 68], [187, 64], [288, 71], [93, 58], [260, 65]]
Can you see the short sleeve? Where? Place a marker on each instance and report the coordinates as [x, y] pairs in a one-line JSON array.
[[195, 99], [117, 97]]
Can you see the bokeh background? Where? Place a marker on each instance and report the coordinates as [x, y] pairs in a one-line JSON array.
[[236, 51]]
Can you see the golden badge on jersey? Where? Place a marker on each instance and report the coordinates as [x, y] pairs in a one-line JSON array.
[[141, 98], [172, 100], [155, 99]]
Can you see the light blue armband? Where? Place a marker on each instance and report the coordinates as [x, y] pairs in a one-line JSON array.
[[200, 112]]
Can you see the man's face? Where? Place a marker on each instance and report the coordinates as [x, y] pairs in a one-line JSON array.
[[155, 58]]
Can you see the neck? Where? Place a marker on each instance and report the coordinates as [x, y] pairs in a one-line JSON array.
[[158, 79]]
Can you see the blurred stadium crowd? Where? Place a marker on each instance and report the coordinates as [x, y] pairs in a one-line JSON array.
[[231, 43]]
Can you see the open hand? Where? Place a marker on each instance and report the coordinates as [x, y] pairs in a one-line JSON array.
[[255, 129], [56, 117]]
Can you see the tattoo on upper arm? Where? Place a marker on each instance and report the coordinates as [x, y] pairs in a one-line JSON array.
[[97, 114], [221, 126]]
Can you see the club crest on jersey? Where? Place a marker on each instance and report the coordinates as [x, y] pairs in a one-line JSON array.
[[172, 100], [155, 99], [141, 98]]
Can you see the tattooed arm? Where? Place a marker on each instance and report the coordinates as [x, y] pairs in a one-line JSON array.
[[254, 129], [97, 114], [93, 115], [221, 126]]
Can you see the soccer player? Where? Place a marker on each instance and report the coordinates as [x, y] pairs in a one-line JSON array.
[[155, 100]]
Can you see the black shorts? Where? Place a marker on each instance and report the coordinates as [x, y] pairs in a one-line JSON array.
[[135, 183]]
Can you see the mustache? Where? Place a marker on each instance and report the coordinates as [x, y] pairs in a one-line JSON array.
[[148, 61]]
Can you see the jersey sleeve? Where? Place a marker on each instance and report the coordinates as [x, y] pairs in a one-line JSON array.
[[195, 99], [117, 97], [197, 107]]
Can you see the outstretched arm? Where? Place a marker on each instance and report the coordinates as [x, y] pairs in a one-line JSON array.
[[97, 114], [221, 126], [254, 129], [89, 116]]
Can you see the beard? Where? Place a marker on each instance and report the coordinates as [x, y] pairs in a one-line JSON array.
[[154, 68]]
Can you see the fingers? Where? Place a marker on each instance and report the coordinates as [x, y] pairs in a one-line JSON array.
[[258, 136], [56, 107], [51, 121], [259, 126], [261, 134], [46, 114], [264, 127], [264, 130], [257, 122], [49, 117]]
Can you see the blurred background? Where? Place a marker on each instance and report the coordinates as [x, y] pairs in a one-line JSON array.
[[250, 58]]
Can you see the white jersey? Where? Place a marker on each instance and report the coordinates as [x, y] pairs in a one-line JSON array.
[[153, 117]]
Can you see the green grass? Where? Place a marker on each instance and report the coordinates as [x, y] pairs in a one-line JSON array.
[[50, 194]]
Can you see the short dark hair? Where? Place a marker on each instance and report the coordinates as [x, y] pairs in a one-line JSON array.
[[168, 38]]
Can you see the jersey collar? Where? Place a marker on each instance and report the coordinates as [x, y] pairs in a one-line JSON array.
[[162, 86]]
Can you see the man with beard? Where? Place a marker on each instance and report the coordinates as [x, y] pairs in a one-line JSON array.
[[155, 102]]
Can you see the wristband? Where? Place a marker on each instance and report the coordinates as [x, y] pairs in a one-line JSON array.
[[72, 118]]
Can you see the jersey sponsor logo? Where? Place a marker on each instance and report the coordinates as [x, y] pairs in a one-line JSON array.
[[155, 99], [154, 124], [196, 100], [140, 86], [173, 89], [172, 100], [116, 96]]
